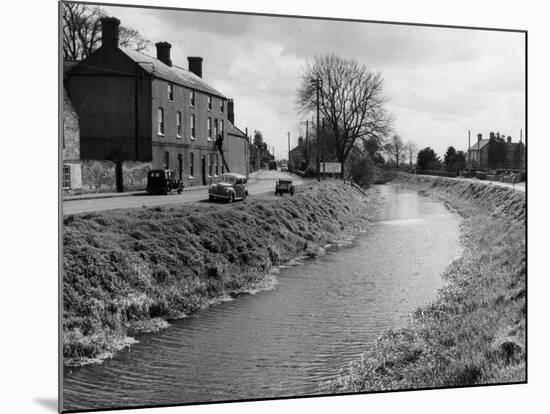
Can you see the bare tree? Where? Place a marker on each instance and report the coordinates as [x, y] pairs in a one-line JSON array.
[[82, 32], [411, 149], [350, 100], [395, 148]]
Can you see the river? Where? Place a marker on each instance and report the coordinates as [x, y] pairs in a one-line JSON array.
[[322, 314]]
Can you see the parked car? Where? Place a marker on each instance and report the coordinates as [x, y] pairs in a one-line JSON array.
[[272, 165], [231, 187], [284, 186], [163, 182], [284, 167]]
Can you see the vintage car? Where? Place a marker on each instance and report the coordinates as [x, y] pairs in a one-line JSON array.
[[284, 186], [163, 182], [231, 187]]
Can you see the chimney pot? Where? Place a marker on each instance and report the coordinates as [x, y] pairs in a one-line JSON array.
[[509, 139], [195, 65], [491, 135], [479, 137], [231, 111], [163, 52], [109, 32]]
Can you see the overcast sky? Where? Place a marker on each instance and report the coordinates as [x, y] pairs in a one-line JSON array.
[[440, 82]]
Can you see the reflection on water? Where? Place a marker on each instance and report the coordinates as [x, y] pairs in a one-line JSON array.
[[323, 313]]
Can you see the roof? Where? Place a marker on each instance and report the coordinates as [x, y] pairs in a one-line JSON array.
[[173, 73], [233, 130], [479, 145], [69, 64]]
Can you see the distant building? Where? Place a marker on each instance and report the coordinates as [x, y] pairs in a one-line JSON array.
[[297, 160], [134, 107], [478, 154]]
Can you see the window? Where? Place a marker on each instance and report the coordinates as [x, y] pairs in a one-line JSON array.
[[217, 165], [192, 97], [216, 128], [209, 103], [209, 128], [166, 159], [191, 164], [192, 126], [161, 121], [178, 123], [210, 162], [221, 128], [221, 105], [66, 176], [170, 92]]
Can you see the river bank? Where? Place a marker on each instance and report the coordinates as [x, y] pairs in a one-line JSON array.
[[475, 331], [131, 271]]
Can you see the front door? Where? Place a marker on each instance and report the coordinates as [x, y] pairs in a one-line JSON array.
[[203, 169]]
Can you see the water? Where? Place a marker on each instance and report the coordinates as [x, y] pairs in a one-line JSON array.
[[323, 313]]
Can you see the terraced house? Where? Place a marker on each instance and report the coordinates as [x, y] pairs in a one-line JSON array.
[[134, 107]]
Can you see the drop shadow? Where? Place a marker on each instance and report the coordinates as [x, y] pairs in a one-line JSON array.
[[49, 403]]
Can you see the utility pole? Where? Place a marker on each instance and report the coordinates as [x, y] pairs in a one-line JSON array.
[[288, 159], [307, 147], [324, 146], [469, 162], [318, 136]]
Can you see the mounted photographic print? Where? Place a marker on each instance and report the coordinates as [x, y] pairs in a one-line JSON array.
[[258, 206]]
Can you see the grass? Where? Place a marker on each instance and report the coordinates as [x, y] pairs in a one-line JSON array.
[[474, 332], [130, 271]]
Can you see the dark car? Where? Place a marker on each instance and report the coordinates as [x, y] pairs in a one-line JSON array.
[[272, 165], [163, 182], [231, 187], [284, 186]]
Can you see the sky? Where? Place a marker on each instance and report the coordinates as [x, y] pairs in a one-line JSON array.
[[440, 82]]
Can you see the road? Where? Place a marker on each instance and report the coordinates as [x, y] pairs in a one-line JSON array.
[[260, 182]]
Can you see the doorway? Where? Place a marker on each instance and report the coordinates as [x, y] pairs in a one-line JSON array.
[[203, 169]]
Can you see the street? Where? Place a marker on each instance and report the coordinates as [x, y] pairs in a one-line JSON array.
[[260, 182]]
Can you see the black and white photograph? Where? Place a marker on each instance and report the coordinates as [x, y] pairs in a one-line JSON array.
[[261, 206], [279, 206]]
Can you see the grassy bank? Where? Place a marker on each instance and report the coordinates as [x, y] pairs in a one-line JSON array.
[[474, 332], [129, 271]]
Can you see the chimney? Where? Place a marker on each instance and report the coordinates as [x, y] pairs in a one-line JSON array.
[[491, 135], [195, 65], [231, 111], [479, 137], [109, 32], [509, 139], [163, 52]]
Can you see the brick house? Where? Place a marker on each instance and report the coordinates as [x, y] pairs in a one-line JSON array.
[[134, 107], [72, 167], [478, 154]]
